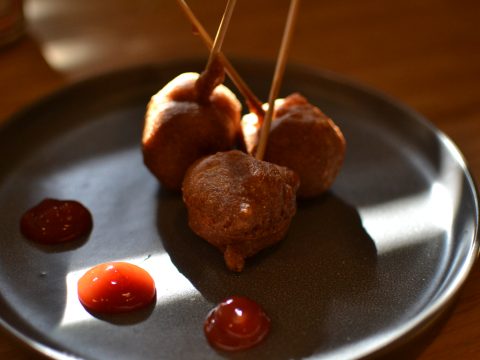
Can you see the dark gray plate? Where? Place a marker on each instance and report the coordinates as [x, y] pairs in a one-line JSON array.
[[361, 268]]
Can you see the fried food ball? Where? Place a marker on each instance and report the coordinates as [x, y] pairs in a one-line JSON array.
[[239, 204], [303, 139], [184, 122]]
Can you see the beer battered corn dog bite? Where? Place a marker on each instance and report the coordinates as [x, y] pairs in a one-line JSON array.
[[239, 204], [192, 116], [183, 123], [303, 139]]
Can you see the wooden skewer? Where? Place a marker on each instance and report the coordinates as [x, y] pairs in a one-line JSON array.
[[277, 77], [253, 102], [222, 30], [214, 72]]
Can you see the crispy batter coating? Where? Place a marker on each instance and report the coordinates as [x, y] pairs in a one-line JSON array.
[[303, 139], [180, 129], [239, 204]]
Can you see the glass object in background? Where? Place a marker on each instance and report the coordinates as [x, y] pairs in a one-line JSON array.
[[12, 23]]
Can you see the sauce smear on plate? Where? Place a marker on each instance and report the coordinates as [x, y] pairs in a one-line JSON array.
[[56, 221], [235, 324], [116, 287]]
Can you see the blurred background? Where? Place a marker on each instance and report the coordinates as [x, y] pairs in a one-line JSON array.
[[424, 53]]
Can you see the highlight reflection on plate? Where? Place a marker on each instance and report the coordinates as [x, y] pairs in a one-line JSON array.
[[361, 267]]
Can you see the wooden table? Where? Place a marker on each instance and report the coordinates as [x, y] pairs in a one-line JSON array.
[[424, 53]]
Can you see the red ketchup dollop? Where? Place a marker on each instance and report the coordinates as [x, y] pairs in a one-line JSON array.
[[56, 221], [116, 287], [237, 323]]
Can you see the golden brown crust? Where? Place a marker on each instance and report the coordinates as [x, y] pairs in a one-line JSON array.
[[179, 130], [239, 204]]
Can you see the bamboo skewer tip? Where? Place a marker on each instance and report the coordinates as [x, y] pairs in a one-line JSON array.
[[277, 77]]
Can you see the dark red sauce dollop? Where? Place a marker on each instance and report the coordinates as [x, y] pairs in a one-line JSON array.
[[56, 221], [116, 287], [235, 324]]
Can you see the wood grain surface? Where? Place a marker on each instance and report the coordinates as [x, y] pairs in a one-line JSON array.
[[424, 53]]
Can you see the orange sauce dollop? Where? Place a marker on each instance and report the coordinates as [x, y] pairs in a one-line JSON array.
[[116, 287], [235, 324], [56, 221]]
